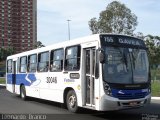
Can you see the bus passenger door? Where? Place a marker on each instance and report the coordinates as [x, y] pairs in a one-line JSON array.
[[89, 79], [14, 77]]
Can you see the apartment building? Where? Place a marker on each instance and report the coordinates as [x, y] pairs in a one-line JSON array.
[[18, 24]]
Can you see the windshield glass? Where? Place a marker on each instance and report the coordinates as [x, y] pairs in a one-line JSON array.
[[140, 66], [125, 65]]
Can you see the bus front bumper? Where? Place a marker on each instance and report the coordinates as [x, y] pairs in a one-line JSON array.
[[108, 103]]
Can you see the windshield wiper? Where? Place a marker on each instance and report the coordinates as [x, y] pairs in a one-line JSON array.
[[124, 58]]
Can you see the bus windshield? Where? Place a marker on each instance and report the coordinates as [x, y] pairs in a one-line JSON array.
[[125, 65]]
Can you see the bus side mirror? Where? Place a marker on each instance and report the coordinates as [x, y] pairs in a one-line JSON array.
[[101, 57]]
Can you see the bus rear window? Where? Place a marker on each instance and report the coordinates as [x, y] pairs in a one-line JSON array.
[[9, 66]]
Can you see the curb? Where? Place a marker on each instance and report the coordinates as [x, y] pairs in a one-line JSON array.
[[155, 98], [3, 85]]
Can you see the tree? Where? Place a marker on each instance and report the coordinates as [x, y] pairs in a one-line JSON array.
[[4, 52], [38, 44], [10, 51], [139, 35], [117, 18], [153, 44]]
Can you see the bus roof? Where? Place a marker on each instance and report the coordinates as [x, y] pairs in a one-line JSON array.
[[89, 38]]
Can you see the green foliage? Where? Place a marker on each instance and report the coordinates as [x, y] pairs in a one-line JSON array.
[[4, 52], [155, 74], [153, 44], [155, 88], [38, 44], [117, 18], [2, 81]]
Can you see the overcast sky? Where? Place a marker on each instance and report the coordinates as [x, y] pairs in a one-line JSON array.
[[52, 16]]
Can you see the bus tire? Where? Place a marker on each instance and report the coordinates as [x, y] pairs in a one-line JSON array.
[[71, 101], [23, 92]]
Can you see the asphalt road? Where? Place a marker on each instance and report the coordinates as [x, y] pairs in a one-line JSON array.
[[12, 107]]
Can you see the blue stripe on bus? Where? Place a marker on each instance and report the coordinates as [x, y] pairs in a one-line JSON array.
[[130, 94], [26, 79]]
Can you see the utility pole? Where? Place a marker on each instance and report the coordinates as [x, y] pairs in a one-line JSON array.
[[68, 29]]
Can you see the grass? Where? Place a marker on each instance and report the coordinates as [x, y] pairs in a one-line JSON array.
[[2, 81], [155, 74], [155, 85], [155, 88]]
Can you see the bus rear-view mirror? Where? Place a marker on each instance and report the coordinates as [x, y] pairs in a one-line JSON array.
[[101, 57]]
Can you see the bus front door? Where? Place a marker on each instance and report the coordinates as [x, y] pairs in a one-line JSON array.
[[89, 80], [14, 76]]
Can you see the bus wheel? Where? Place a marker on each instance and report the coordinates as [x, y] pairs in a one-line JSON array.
[[72, 101], [23, 92]]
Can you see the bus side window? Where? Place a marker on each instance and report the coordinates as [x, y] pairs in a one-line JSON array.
[[23, 64], [72, 58], [32, 63], [9, 66], [57, 60], [43, 62]]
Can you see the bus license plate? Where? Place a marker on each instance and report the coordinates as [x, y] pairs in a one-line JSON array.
[[133, 103]]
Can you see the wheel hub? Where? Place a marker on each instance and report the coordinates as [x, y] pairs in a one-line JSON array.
[[72, 101]]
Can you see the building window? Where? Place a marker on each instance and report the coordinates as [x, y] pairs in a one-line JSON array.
[[2, 42], [43, 62], [72, 58], [56, 62]]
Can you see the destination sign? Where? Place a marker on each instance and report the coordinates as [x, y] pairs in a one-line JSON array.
[[119, 40]]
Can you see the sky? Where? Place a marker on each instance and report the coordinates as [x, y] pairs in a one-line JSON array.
[[52, 16]]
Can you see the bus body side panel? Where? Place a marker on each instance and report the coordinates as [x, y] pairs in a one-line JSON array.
[[73, 83], [13, 88], [51, 87], [9, 82]]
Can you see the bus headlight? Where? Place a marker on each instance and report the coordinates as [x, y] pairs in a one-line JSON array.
[[149, 89], [107, 89]]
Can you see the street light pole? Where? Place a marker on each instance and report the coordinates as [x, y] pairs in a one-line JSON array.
[[68, 29]]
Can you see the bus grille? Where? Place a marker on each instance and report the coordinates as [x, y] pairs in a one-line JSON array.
[[131, 96]]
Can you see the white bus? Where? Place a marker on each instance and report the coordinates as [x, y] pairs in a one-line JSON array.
[[101, 72]]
